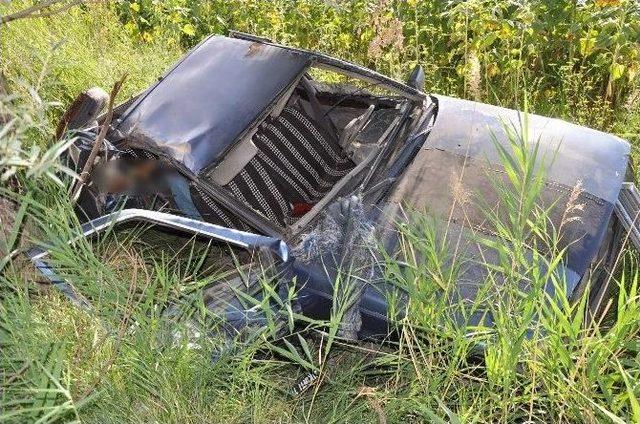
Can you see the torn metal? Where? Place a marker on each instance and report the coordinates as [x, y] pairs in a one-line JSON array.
[[214, 232]]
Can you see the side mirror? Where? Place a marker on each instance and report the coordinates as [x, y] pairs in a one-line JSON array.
[[416, 79]]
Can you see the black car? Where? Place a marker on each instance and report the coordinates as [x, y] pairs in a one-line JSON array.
[[307, 158]]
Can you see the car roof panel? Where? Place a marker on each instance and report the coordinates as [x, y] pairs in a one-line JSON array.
[[205, 103]]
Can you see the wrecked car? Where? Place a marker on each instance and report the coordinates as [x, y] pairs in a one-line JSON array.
[[243, 143]]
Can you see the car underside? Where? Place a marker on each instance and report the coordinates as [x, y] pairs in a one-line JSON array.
[[243, 143]]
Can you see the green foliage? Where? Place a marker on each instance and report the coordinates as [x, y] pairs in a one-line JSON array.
[[569, 57], [65, 54], [26, 120], [125, 361]]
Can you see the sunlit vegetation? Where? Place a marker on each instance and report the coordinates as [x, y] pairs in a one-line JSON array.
[[575, 60]]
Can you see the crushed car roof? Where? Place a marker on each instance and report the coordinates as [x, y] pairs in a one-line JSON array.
[[202, 105]]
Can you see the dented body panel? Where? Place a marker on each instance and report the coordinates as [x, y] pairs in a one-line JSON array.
[[210, 98], [570, 154], [461, 155]]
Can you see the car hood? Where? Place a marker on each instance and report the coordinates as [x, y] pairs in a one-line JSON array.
[[453, 177], [570, 153]]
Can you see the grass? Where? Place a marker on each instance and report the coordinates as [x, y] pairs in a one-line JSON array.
[[126, 361], [66, 54]]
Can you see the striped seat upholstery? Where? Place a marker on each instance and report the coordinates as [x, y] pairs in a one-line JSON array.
[[297, 162]]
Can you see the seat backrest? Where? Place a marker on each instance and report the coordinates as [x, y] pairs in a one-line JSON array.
[[297, 161]]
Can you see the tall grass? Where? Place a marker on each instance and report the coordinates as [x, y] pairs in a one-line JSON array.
[[128, 361], [66, 54]]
